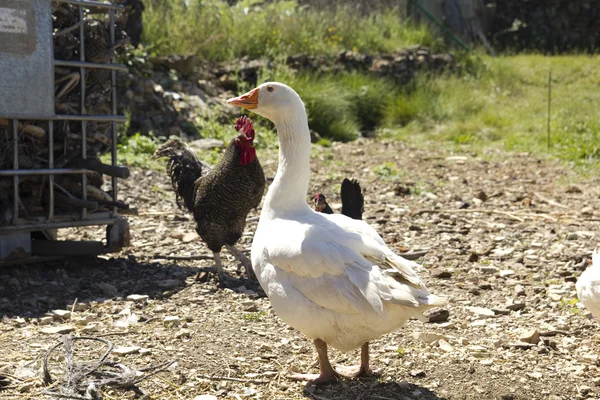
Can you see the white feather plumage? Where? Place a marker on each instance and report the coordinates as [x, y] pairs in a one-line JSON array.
[[329, 276], [588, 286]]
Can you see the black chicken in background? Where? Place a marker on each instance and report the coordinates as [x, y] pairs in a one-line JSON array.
[[353, 206], [352, 200], [219, 197]]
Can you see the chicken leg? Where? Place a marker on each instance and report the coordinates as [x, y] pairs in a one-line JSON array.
[[241, 257], [218, 267]]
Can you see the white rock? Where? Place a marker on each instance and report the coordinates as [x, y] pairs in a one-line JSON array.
[[46, 320], [90, 328], [61, 314], [171, 320], [122, 351], [141, 298], [61, 329], [183, 333], [206, 397], [445, 346], [429, 337], [481, 312]]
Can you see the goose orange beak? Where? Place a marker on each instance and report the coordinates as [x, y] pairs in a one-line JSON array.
[[248, 100]]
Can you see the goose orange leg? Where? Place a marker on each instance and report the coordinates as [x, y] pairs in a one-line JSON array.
[[358, 370], [327, 373]]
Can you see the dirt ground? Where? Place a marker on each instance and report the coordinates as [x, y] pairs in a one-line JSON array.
[[508, 235]]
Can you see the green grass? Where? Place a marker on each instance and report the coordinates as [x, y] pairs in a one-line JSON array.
[[505, 105], [501, 102], [217, 32], [136, 151]]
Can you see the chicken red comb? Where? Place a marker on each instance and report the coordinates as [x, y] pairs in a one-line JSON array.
[[244, 125]]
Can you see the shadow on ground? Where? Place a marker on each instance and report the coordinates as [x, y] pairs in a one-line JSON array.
[[370, 389], [31, 290]]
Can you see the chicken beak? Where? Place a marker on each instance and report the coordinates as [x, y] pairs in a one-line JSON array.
[[248, 100]]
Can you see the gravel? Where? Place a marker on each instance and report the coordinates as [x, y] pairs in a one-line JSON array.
[[512, 330]]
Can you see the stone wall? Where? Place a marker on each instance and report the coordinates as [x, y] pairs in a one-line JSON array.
[[166, 94]]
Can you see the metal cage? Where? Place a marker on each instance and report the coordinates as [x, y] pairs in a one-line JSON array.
[[16, 238]]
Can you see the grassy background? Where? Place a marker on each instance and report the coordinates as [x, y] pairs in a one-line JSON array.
[[217, 32], [494, 102]]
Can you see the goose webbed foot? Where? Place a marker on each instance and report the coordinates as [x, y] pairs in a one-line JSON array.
[[358, 371], [327, 373]]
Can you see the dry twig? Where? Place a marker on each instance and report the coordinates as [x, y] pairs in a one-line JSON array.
[[85, 380], [227, 378]]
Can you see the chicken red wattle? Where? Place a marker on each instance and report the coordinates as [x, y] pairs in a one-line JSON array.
[[245, 140]]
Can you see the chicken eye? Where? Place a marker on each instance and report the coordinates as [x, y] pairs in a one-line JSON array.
[[269, 88]]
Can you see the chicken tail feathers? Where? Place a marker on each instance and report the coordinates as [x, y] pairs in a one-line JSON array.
[[184, 168], [352, 199]]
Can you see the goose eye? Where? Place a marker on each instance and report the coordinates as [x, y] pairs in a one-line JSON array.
[[269, 88]]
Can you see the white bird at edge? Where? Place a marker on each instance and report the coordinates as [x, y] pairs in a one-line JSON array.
[[329, 276], [588, 286]]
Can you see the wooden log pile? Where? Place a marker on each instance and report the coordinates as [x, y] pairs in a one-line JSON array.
[[547, 25], [33, 136]]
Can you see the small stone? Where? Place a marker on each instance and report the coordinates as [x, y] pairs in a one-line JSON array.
[[481, 195], [46, 320], [123, 351], [90, 328], [61, 329], [189, 237], [171, 320], [444, 345], [429, 337], [481, 312], [520, 290], [489, 270], [531, 336], [417, 373], [502, 252], [206, 397], [138, 298], [584, 389], [441, 273], [249, 306], [572, 236], [61, 314], [183, 333], [522, 345], [439, 316], [506, 272], [19, 321], [516, 306]]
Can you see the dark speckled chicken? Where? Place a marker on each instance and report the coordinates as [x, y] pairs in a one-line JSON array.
[[220, 197]]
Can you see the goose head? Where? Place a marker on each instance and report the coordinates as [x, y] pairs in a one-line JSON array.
[[272, 100]]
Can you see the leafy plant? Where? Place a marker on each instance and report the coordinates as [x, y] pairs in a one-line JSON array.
[[386, 170]]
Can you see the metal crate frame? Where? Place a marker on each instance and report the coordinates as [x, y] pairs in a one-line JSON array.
[[53, 221]]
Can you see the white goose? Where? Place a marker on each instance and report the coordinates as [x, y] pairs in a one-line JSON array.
[[588, 286], [324, 274]]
